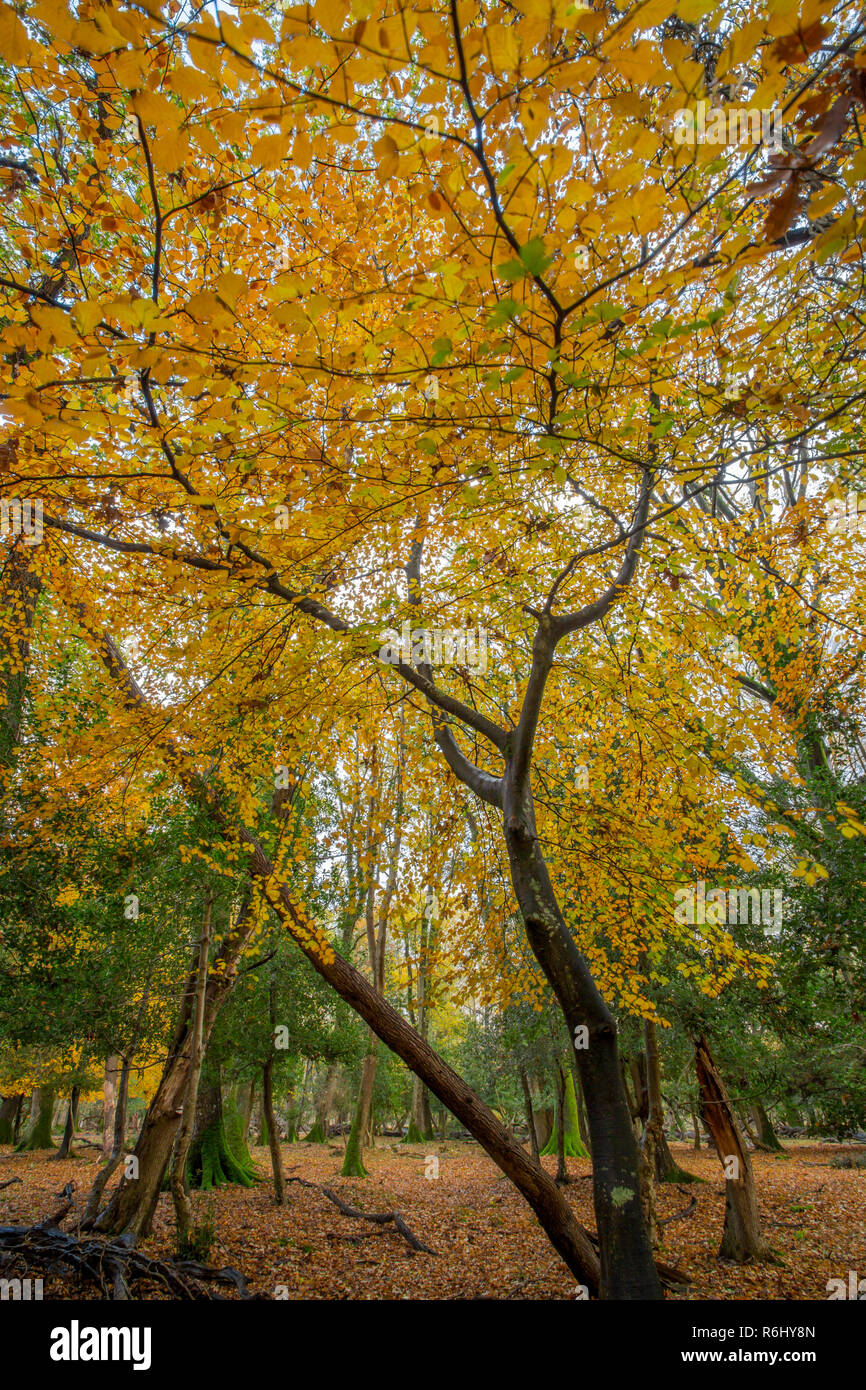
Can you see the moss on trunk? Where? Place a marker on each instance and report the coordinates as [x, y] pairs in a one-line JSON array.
[[574, 1145], [40, 1135], [220, 1156]]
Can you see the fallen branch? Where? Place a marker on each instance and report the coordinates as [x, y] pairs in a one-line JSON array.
[[114, 1266], [381, 1218], [9, 1182], [678, 1215]]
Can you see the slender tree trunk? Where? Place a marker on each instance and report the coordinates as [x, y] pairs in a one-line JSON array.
[[69, 1127], [697, 1132], [741, 1239], [664, 1166], [109, 1103], [561, 1122], [767, 1137], [530, 1118], [268, 1099], [117, 1146], [582, 1124], [179, 1184], [246, 1094], [273, 1132]]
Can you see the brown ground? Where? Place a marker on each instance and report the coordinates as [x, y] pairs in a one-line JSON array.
[[487, 1241]]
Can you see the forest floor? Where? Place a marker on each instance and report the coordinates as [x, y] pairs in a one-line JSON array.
[[487, 1241]]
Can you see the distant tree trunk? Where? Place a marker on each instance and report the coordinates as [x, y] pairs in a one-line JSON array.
[[767, 1137], [69, 1127], [10, 1112], [117, 1144], [321, 1130], [273, 1132], [268, 1101], [741, 1238], [561, 1123], [246, 1095], [582, 1122], [353, 1161], [109, 1103], [696, 1125], [664, 1166], [530, 1118], [39, 1134], [179, 1181]]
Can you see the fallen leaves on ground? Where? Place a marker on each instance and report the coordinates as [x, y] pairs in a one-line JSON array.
[[488, 1243]]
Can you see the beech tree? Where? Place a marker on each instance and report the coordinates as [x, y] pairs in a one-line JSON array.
[[320, 323]]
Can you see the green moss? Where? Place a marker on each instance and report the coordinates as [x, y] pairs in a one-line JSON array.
[[353, 1162], [413, 1135], [574, 1145], [317, 1134], [220, 1156]]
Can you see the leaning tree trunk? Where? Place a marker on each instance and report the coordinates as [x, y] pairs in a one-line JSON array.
[[132, 1206], [69, 1127], [39, 1135], [741, 1238], [10, 1110]]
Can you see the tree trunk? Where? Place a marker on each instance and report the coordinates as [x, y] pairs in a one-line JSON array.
[[530, 1119], [179, 1181], [697, 1132], [561, 1124], [273, 1132], [627, 1266], [39, 1134], [268, 1100], [10, 1111], [767, 1137], [69, 1127], [741, 1238], [353, 1161], [109, 1103], [132, 1205], [555, 1215], [117, 1145], [246, 1093], [321, 1125], [664, 1166]]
